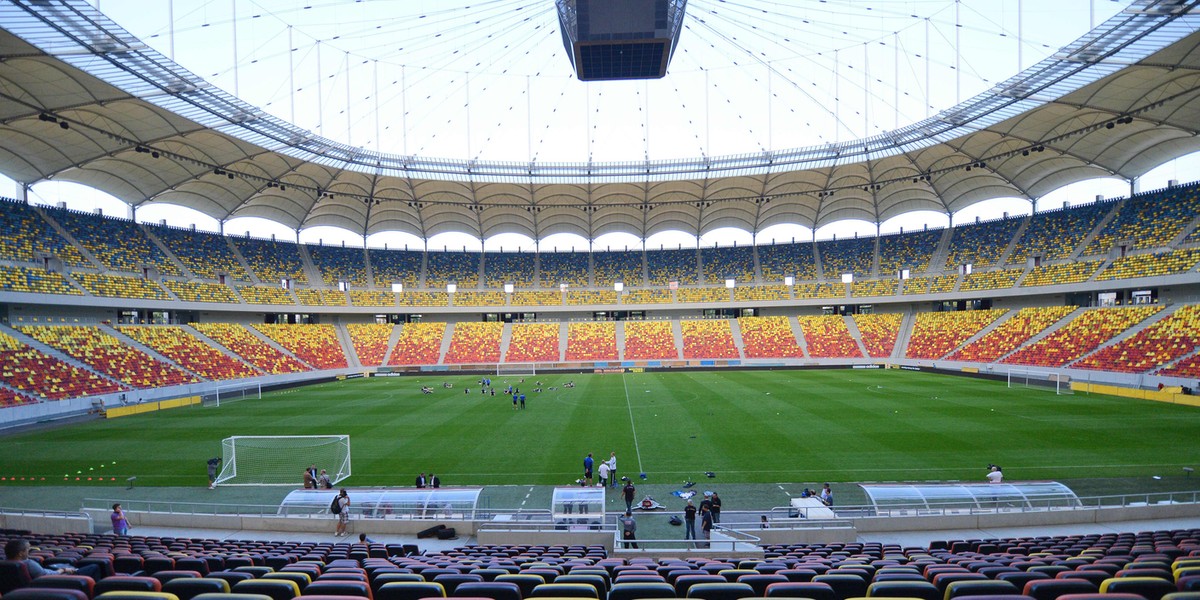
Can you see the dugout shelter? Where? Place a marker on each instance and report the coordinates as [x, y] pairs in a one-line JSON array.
[[386, 503]]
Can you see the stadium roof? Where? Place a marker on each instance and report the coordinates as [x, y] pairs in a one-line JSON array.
[[87, 102]]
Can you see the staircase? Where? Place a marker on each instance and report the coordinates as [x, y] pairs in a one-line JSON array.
[[1095, 232], [1002, 260], [856, 334], [937, 262], [348, 349], [87, 254], [902, 336], [736, 330], [620, 326], [392, 339], [677, 334], [799, 334], [445, 347], [505, 340]]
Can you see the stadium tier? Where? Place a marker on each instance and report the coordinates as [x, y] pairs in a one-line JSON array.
[[346, 265], [316, 345], [473, 298], [1150, 265], [537, 298], [475, 343], [710, 338], [556, 268], [1149, 220], [373, 298], [702, 294], [989, 280], [271, 261], [665, 266], [120, 286], [1160, 343], [1013, 332], [778, 261], [1061, 274], [249, 347], [596, 341], [206, 255], [316, 297], [878, 332], [28, 238], [201, 291], [370, 341], [826, 336], [874, 287], [620, 266], [459, 268], [262, 294], [108, 355], [912, 251], [938, 284], [419, 344], [1055, 235], [980, 244], [761, 293], [396, 266], [37, 374], [118, 244], [1080, 336], [768, 337], [847, 256], [533, 343], [591, 297], [189, 352], [35, 281], [646, 296], [500, 268], [735, 262], [650, 340], [936, 334]]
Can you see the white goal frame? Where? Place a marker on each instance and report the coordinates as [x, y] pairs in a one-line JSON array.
[[516, 369], [233, 393], [1048, 380], [282, 459]]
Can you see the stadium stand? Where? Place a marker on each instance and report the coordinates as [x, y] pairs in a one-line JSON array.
[[248, 347], [1061, 274], [879, 332], [911, 250], [262, 294], [777, 261], [1175, 262], [646, 296], [989, 280], [201, 291], [374, 298], [980, 244], [649, 340], [1054, 235], [11, 398], [533, 343], [417, 299], [120, 286], [591, 297], [611, 267], [316, 345], [854, 255], [119, 244], [556, 268], [206, 255], [592, 341], [395, 266], [271, 261], [937, 284], [1012, 333], [419, 344], [1080, 335], [665, 266], [935, 334], [702, 294], [537, 298], [500, 268], [26, 237], [315, 297], [337, 264], [761, 293], [479, 298], [188, 351], [1162, 342], [475, 343], [708, 338], [370, 341], [874, 287], [35, 281], [828, 337], [108, 356], [768, 337], [736, 262], [461, 268], [1188, 367], [1148, 220], [38, 374]]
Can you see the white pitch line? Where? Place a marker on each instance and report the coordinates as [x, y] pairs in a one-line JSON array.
[[629, 405]]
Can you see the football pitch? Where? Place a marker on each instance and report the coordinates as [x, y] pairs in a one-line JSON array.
[[744, 426]]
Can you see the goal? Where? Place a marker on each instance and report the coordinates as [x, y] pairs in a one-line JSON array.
[[516, 369], [1060, 383], [232, 393], [282, 459]]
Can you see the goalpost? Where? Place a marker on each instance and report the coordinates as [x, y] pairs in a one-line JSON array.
[[232, 393], [1060, 383], [282, 459], [516, 369]]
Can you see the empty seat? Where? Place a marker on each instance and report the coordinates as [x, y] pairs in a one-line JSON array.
[[720, 591], [383, 578], [566, 590], [636, 591], [1051, 589], [188, 588], [45, 594], [1150, 588], [759, 582], [524, 581], [277, 589], [68, 582], [683, 582], [451, 581], [988, 587], [134, 595], [844, 585], [169, 574], [14, 574], [410, 590], [337, 587], [231, 576], [596, 581], [904, 589], [127, 583], [496, 590], [801, 589], [301, 578]]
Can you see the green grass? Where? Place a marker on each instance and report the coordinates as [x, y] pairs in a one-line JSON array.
[[747, 426]]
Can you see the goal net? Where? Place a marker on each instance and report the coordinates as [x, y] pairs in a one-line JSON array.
[[1059, 383], [232, 393], [521, 369], [282, 459]]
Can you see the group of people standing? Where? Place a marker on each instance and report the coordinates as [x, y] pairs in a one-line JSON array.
[[316, 481], [709, 513], [607, 470], [430, 481]]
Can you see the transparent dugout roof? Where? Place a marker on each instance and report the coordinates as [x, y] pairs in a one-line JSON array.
[[388, 503], [1037, 494]]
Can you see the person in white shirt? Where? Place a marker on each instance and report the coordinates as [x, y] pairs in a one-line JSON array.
[[612, 469], [995, 475], [603, 474]]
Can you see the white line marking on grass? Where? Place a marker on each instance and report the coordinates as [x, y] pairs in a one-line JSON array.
[[629, 405]]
